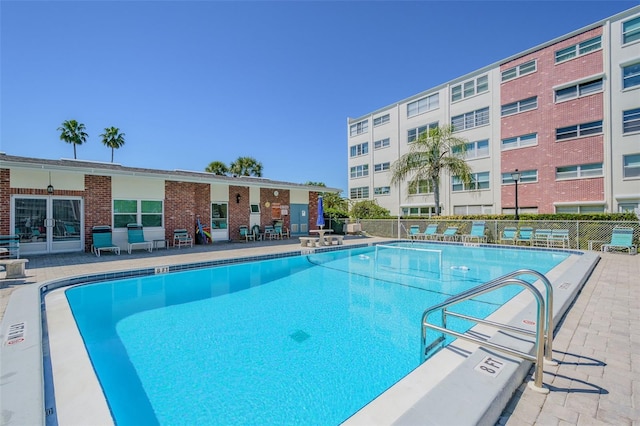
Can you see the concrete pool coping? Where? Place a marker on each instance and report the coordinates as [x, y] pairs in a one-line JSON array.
[[29, 353]]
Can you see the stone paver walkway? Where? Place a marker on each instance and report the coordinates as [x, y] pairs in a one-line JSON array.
[[597, 346]]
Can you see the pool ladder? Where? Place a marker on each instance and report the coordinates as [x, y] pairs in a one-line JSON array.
[[544, 323]]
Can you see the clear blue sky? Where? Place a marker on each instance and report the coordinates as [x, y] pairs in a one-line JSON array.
[[190, 82]]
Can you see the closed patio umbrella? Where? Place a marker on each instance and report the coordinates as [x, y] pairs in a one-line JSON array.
[[320, 221]]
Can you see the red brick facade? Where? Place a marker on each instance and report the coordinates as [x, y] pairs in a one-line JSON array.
[[549, 154], [97, 204]]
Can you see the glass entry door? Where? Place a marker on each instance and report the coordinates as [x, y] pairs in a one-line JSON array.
[[48, 224]]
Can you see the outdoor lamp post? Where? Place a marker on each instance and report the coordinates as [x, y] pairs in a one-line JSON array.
[[516, 177]]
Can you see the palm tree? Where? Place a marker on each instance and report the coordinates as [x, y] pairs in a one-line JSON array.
[[74, 133], [217, 168], [112, 138], [246, 166], [434, 152]]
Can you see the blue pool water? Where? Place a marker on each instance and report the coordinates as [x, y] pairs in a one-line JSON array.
[[300, 340]]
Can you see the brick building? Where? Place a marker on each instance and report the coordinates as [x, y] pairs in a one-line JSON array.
[[53, 204], [565, 114]]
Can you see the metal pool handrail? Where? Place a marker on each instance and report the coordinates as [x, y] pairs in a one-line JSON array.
[[503, 281]]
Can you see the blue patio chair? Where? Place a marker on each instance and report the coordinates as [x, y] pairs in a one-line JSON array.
[[181, 237], [102, 240], [509, 235], [622, 239], [449, 234], [541, 236], [430, 232], [525, 235], [414, 230], [477, 232], [244, 233], [559, 236], [135, 237]]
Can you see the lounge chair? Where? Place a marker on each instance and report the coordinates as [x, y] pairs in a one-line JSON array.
[[559, 236], [509, 235], [622, 239], [102, 240], [541, 236], [278, 229], [135, 237], [181, 237], [449, 234], [270, 231], [477, 232], [524, 235], [244, 233], [430, 232], [414, 230]]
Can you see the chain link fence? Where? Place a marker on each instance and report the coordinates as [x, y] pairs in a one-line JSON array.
[[583, 235]]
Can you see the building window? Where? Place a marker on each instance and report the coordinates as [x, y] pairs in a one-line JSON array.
[[631, 30], [579, 130], [420, 186], [631, 76], [469, 88], [581, 209], [423, 105], [360, 171], [526, 176], [359, 128], [360, 149], [520, 106], [255, 208], [519, 71], [360, 192], [418, 211], [631, 166], [471, 210], [631, 121], [628, 207], [382, 190], [381, 167], [382, 143], [470, 120], [148, 213], [414, 134], [379, 121], [478, 149], [219, 215], [479, 181], [520, 141], [579, 90], [579, 49], [579, 172]]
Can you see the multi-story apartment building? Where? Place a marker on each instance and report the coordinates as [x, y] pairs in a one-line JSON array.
[[565, 114]]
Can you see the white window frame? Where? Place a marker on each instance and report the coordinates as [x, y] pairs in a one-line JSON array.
[[522, 105], [382, 143], [471, 119], [579, 90], [428, 103], [382, 190], [634, 166], [419, 131], [359, 193], [633, 76], [578, 49], [359, 128], [383, 119], [138, 213], [526, 176], [475, 182], [522, 141], [360, 149], [631, 116], [422, 186], [581, 171], [382, 167], [582, 130], [518, 70], [470, 88], [634, 33], [361, 170]]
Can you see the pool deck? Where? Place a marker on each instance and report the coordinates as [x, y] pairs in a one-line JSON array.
[[597, 344]]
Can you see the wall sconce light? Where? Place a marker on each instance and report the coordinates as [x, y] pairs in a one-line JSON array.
[[237, 198], [50, 187]]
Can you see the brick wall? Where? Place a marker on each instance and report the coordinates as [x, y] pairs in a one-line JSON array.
[[313, 210], [97, 205], [184, 202], [544, 121]]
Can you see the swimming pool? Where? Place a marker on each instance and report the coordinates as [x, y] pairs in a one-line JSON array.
[[308, 339]]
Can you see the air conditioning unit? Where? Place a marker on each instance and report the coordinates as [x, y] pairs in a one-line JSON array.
[[353, 228]]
